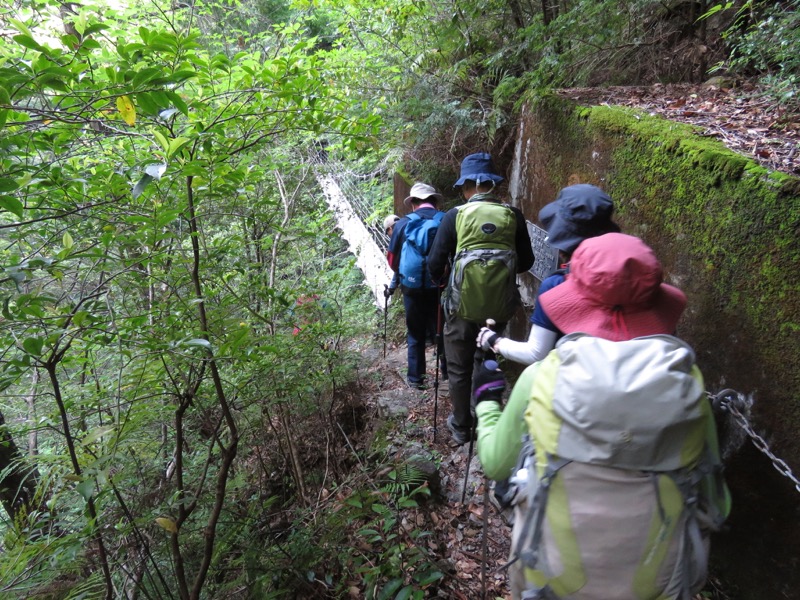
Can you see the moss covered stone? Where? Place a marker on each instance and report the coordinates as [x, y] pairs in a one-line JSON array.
[[726, 230]]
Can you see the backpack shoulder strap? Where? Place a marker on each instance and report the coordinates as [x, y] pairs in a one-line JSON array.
[[412, 216]]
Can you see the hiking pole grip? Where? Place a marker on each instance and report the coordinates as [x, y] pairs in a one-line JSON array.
[[491, 324]]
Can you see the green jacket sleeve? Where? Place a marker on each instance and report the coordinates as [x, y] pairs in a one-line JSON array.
[[500, 431]]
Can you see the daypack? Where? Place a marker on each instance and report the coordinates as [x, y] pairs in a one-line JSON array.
[[627, 483], [419, 233], [483, 278]]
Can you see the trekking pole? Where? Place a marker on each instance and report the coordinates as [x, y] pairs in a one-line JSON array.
[[438, 340], [484, 542], [385, 314], [490, 323]]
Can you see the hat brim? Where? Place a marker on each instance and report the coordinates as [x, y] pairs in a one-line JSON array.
[[548, 213], [572, 312], [478, 176], [566, 235], [435, 198]]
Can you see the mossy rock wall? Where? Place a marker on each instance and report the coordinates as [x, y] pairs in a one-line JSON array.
[[726, 231]]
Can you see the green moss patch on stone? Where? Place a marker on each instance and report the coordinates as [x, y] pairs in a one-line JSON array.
[[725, 228]]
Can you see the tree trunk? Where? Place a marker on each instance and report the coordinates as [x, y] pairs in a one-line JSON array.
[[17, 482], [33, 432]]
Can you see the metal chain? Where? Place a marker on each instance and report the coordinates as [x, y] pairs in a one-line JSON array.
[[734, 402]]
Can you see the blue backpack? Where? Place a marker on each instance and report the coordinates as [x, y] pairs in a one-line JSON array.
[[419, 234]]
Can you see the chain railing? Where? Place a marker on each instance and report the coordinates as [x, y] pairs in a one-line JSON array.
[[737, 404]]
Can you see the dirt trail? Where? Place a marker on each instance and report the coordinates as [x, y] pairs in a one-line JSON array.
[[457, 528]]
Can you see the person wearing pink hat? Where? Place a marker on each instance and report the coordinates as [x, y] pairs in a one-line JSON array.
[[619, 350], [581, 211]]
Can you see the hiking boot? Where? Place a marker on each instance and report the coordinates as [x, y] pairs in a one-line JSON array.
[[418, 385], [460, 435], [503, 494]]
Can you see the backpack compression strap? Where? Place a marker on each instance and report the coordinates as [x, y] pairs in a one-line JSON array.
[[533, 527]]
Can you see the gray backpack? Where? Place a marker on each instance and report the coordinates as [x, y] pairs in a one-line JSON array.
[[627, 484]]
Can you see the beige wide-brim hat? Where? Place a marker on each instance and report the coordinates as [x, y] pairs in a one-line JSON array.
[[423, 191]]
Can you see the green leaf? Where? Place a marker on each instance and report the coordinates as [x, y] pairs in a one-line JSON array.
[[430, 578], [17, 275], [7, 184], [199, 342], [140, 185], [67, 241], [176, 144], [12, 205], [53, 82], [147, 103], [405, 593], [145, 75], [178, 102], [28, 42], [33, 346], [86, 489], [94, 28], [34, 310], [390, 588], [20, 26], [96, 434], [161, 140], [90, 44]]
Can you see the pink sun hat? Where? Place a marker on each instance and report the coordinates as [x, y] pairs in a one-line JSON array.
[[615, 291]]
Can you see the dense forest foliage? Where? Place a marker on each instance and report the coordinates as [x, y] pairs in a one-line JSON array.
[[180, 320]]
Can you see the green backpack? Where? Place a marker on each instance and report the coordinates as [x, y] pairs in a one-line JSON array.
[[483, 279], [628, 478]]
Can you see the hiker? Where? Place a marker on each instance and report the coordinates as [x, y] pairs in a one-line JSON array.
[[409, 245], [488, 244], [579, 212], [388, 227], [389, 223], [625, 482]]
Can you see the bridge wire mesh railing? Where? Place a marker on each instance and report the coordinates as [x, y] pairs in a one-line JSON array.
[[348, 181]]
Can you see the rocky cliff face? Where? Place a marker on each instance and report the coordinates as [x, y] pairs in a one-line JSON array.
[[726, 231]]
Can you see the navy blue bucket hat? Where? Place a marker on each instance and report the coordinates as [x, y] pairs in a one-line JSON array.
[[478, 167], [580, 212]]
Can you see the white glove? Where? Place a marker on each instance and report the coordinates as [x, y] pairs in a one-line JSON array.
[[487, 339]]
